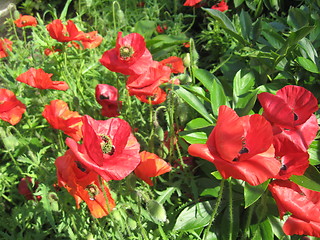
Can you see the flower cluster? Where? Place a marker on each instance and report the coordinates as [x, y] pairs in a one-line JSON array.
[[131, 57], [273, 145]]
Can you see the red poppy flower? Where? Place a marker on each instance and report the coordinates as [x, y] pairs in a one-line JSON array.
[[11, 109], [5, 45], [240, 147], [107, 97], [38, 78], [83, 184], [294, 161], [151, 165], [52, 50], [161, 28], [130, 56], [174, 63], [149, 81], [291, 106], [26, 20], [221, 6], [191, 3], [159, 96], [89, 40], [64, 33], [60, 117], [109, 148], [27, 187], [302, 203]]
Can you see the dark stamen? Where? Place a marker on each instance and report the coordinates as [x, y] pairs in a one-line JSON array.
[[244, 150], [284, 167], [102, 97], [79, 165], [295, 117]]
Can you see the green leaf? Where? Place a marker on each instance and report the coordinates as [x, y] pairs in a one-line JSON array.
[[307, 64], [297, 18], [310, 179], [262, 230], [165, 195], [196, 216], [145, 28], [217, 97], [294, 38], [197, 123], [157, 211], [194, 137], [193, 101], [253, 193], [226, 24], [237, 3], [314, 153], [246, 24], [65, 10], [204, 76]]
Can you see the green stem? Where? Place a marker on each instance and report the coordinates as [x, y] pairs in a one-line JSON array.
[[230, 211], [248, 221], [215, 210]]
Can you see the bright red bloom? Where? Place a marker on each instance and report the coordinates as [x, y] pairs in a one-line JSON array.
[[38, 78], [52, 50], [240, 147], [5, 45], [294, 161], [191, 3], [291, 106], [83, 184], [64, 33], [151, 165], [109, 148], [107, 97], [130, 56], [11, 109], [60, 117], [159, 96], [149, 81], [221, 6], [302, 203], [89, 40], [27, 188], [26, 20], [161, 28], [174, 63]]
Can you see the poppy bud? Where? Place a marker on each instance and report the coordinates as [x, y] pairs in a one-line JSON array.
[[186, 60]]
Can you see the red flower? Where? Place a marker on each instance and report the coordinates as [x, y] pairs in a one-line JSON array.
[[109, 148], [26, 20], [89, 40], [291, 106], [26, 188], [83, 184], [52, 50], [107, 97], [191, 3], [302, 203], [161, 29], [151, 165], [5, 45], [159, 96], [130, 56], [60, 117], [294, 161], [64, 33], [38, 78], [149, 81], [11, 109], [174, 63], [240, 147], [221, 6], [186, 44]]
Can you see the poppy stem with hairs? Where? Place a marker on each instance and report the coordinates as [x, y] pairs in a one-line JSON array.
[[215, 210]]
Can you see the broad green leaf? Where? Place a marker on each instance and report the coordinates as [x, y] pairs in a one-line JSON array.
[[237, 3], [197, 123], [253, 193], [256, 30], [272, 36], [276, 226], [309, 49], [246, 24], [297, 18], [314, 153], [294, 38], [310, 179], [193, 217], [193, 101], [307, 64], [225, 23], [204, 76], [270, 87], [230, 227], [262, 230], [165, 195], [145, 28], [157, 211], [211, 192], [217, 97], [194, 137]]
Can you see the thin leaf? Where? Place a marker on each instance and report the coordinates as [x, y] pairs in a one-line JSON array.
[[253, 193], [310, 179]]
